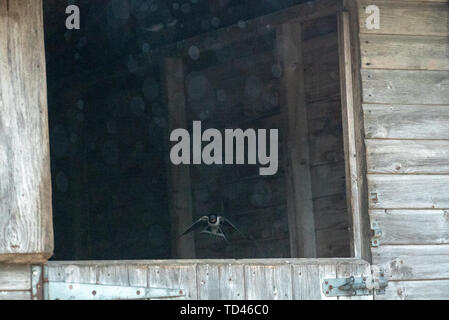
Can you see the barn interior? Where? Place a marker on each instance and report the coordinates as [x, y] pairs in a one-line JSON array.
[[114, 90]]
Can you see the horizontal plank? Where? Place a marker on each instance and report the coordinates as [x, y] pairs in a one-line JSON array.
[[412, 226], [416, 290], [404, 52], [405, 86], [15, 295], [408, 191], [15, 277], [408, 156], [413, 262], [407, 17], [406, 121]]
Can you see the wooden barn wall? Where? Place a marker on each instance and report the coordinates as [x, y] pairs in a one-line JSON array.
[[405, 79]]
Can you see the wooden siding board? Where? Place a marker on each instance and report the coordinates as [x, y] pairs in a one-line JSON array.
[[387, 121], [15, 277], [399, 156], [407, 17], [402, 227], [404, 52], [405, 86], [413, 262], [15, 295], [416, 290], [408, 191]]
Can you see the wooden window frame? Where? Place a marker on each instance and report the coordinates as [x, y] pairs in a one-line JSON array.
[[284, 22]]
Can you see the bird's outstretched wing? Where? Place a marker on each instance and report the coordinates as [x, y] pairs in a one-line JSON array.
[[228, 223], [201, 222]]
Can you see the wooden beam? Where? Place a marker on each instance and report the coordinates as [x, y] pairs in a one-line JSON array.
[[25, 185], [293, 105], [350, 85], [224, 36], [180, 195]]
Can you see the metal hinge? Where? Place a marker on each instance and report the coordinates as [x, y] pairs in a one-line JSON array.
[[377, 234], [80, 291], [356, 286]]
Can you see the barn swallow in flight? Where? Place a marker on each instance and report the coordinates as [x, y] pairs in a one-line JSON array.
[[212, 225]]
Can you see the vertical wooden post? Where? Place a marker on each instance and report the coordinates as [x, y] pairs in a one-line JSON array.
[[353, 133], [299, 185], [26, 231], [180, 195]]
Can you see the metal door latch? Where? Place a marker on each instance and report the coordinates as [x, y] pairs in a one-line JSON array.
[[354, 286]]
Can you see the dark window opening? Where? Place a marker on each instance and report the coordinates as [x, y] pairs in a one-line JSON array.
[[110, 122]]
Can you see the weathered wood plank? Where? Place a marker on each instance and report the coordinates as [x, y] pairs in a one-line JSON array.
[[15, 277], [299, 181], [308, 280], [213, 279], [353, 130], [412, 226], [220, 282], [408, 191], [75, 273], [407, 17], [405, 52], [25, 184], [268, 282], [416, 290], [406, 121], [15, 295], [405, 86], [413, 262], [408, 156], [176, 276]]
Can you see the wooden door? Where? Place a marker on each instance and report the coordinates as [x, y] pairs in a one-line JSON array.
[[269, 279]]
